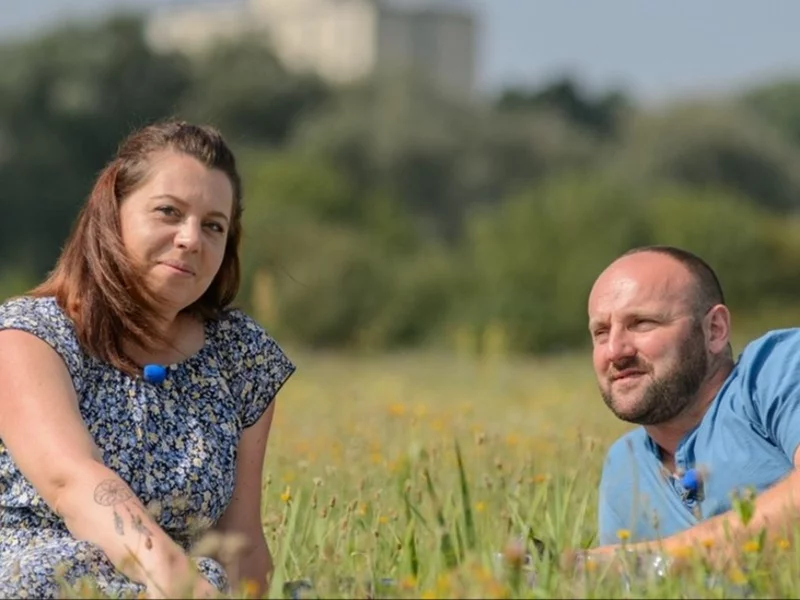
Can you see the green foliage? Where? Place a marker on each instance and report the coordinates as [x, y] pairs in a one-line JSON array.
[[440, 159], [242, 88], [535, 258], [65, 102], [712, 144], [737, 238], [309, 186], [601, 116], [779, 105], [381, 283], [14, 282], [381, 215]]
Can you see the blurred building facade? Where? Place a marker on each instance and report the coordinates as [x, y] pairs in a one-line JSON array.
[[342, 41]]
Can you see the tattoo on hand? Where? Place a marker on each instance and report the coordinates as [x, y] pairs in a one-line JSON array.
[[111, 492]]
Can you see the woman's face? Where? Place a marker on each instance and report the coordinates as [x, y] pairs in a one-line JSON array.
[[175, 226]]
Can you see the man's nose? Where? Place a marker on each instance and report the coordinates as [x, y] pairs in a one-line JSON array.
[[619, 346]]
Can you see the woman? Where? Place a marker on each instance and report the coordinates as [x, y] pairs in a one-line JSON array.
[[135, 404]]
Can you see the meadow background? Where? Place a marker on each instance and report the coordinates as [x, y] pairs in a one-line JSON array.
[[425, 260]]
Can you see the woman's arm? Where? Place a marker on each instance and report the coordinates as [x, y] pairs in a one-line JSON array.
[[41, 426], [243, 517]]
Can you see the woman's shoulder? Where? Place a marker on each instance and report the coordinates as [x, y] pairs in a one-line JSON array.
[[245, 342], [44, 318], [36, 313], [256, 366], [235, 322], [240, 334]]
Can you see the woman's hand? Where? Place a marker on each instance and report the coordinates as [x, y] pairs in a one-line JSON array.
[[204, 589], [199, 586]]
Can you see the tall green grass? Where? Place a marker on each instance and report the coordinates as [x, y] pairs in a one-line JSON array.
[[425, 476]]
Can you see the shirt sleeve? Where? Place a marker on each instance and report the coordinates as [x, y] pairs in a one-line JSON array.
[[43, 319], [270, 369], [771, 369]]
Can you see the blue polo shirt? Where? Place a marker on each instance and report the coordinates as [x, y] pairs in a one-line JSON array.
[[746, 440]]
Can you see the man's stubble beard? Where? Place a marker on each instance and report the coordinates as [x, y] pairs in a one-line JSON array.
[[672, 393]]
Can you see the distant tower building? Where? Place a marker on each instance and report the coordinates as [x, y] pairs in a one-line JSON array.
[[342, 41]]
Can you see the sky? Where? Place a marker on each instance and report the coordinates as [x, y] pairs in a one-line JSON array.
[[655, 50]]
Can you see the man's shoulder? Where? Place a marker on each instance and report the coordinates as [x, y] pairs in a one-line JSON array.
[[774, 343], [769, 360], [628, 448]]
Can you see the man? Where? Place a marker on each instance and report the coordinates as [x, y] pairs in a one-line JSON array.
[[711, 426]]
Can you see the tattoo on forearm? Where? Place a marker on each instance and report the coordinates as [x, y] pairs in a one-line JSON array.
[[139, 526], [118, 523], [111, 492]]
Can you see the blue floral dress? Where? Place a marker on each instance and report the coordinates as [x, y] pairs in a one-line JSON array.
[[174, 443]]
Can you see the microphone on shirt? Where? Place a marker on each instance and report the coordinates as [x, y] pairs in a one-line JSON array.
[[691, 481], [155, 374]]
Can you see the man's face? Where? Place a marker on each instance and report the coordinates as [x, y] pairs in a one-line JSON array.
[[649, 351]]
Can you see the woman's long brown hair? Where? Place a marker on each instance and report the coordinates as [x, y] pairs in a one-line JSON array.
[[95, 281]]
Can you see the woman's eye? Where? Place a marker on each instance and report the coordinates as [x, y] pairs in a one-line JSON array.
[[216, 227], [169, 211]]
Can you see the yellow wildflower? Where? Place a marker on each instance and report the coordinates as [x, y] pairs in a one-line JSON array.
[[737, 577], [751, 546]]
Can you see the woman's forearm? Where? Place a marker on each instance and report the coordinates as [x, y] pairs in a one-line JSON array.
[[99, 507], [253, 570]]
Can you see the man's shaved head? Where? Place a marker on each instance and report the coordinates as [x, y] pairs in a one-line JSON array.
[[708, 291]]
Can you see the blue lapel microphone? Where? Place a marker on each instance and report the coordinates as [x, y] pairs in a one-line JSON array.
[[155, 374], [692, 481]]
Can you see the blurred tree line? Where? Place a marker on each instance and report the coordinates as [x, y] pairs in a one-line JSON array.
[[382, 215]]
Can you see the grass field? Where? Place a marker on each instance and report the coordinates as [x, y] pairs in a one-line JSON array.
[[426, 476], [363, 481], [354, 439]]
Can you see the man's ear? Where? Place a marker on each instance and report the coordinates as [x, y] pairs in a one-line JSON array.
[[718, 329]]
